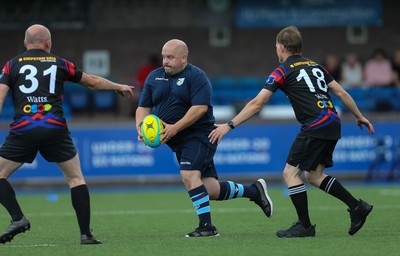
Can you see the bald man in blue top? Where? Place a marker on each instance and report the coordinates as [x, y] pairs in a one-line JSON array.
[[180, 94]]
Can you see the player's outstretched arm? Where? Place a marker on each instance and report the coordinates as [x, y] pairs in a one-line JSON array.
[[252, 107], [101, 84]]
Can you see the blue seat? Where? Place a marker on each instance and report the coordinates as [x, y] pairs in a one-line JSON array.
[[223, 82], [385, 98], [251, 82], [223, 90], [249, 87], [362, 99], [105, 100], [77, 96]]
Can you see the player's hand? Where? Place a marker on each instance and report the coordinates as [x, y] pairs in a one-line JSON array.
[[217, 134], [363, 121], [168, 132], [139, 131], [126, 90], [140, 138]]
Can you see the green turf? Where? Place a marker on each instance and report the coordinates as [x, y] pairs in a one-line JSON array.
[[154, 223]]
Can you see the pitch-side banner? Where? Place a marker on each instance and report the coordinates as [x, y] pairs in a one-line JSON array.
[[249, 149]]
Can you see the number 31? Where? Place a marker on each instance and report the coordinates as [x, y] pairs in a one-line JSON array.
[[31, 76]]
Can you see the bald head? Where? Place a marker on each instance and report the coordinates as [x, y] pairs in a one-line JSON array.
[[174, 53], [178, 46], [38, 37]]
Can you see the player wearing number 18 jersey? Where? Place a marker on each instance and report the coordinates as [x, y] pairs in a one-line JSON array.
[[308, 86], [36, 79]]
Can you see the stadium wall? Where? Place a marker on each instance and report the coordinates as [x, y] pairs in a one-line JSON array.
[[251, 52]]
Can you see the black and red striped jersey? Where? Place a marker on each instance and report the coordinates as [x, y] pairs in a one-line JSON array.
[[36, 80], [305, 83]]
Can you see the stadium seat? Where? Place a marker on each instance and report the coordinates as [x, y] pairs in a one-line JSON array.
[[105, 100], [362, 99], [77, 96], [249, 87], [224, 90], [385, 98], [223, 82]]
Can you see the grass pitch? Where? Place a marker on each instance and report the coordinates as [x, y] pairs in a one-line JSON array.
[[154, 222]]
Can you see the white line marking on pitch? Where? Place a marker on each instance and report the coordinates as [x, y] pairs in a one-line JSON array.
[[31, 245]]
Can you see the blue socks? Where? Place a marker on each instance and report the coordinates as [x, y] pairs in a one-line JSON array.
[[230, 190], [201, 203]]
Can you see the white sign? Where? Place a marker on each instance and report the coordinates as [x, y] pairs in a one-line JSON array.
[[96, 62]]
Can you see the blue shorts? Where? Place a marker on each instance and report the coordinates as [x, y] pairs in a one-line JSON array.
[[195, 155]]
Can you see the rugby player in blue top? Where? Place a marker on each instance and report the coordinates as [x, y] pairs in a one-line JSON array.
[[307, 85], [180, 94]]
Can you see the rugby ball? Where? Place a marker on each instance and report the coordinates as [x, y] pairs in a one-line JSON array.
[[151, 128]]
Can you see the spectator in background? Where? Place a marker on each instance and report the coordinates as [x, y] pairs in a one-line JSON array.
[[332, 64], [152, 63], [352, 72], [396, 67], [378, 70]]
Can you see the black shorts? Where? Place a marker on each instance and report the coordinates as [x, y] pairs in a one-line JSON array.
[[308, 152], [195, 155], [21, 149]]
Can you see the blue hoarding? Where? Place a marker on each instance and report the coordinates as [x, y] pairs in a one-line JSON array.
[[250, 149]]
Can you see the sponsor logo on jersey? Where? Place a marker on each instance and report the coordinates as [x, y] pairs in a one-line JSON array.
[[161, 78], [301, 63], [35, 99], [41, 59], [325, 104], [36, 108], [180, 81]]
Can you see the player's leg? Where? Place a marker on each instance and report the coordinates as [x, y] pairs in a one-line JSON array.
[[297, 190], [227, 190], [79, 196], [194, 159], [8, 199], [65, 155], [358, 209], [298, 194], [13, 153]]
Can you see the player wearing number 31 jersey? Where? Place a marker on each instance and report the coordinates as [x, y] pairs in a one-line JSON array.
[[36, 81], [308, 86], [35, 78]]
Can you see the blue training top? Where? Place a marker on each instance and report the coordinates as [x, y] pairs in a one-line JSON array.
[[170, 97]]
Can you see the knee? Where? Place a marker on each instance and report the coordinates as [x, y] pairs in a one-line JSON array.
[[290, 176], [313, 178], [191, 179]]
